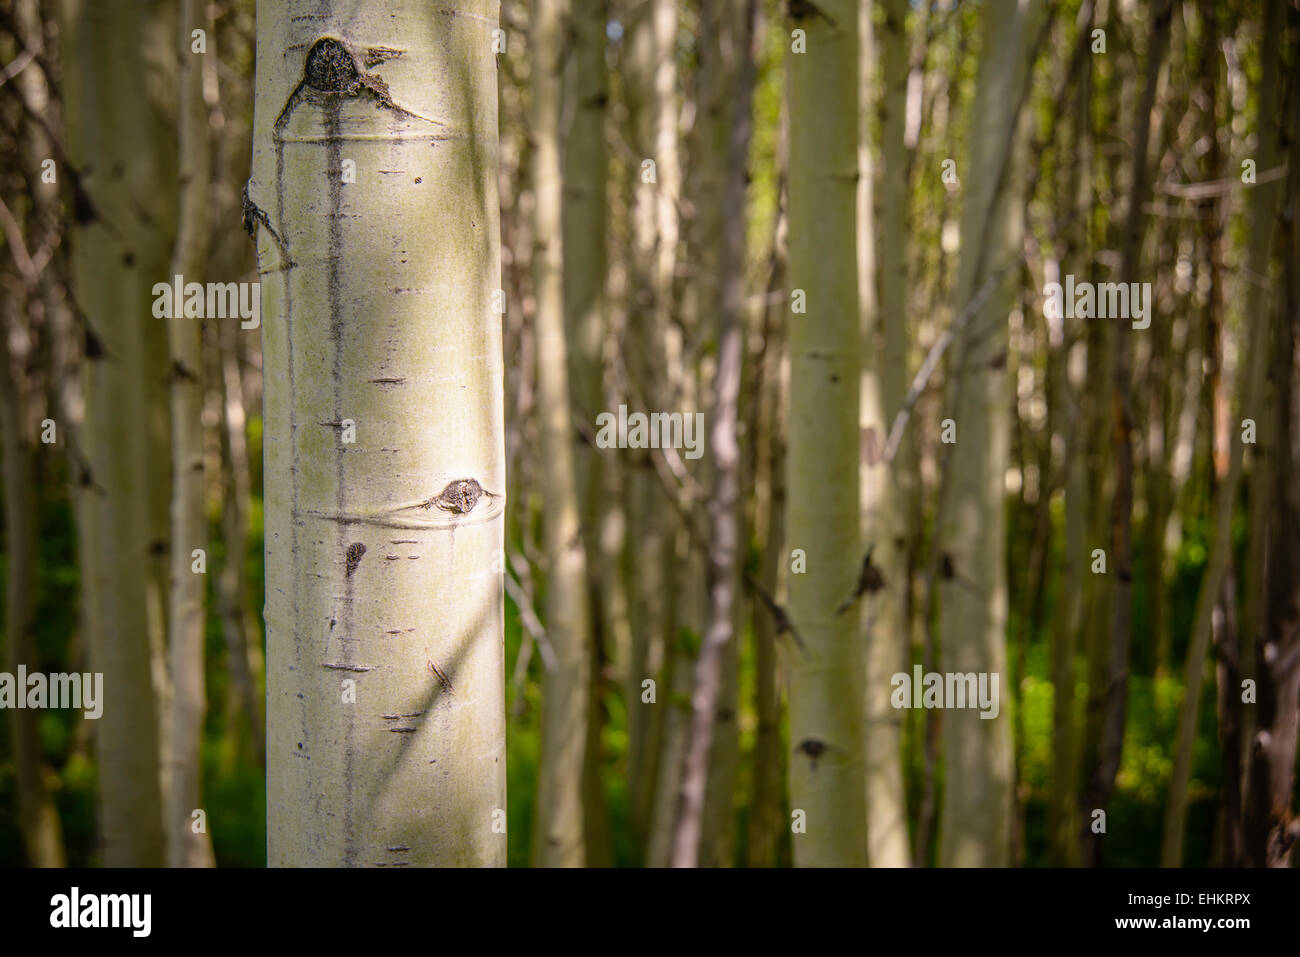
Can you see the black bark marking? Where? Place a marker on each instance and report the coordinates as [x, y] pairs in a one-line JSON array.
[[336, 667], [355, 551], [377, 55], [459, 496], [330, 67], [806, 10], [870, 581], [814, 749], [441, 675]]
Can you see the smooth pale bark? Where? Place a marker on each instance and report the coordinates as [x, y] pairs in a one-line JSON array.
[[558, 829], [584, 213], [826, 778], [383, 554], [975, 823], [1262, 210], [186, 845], [117, 257], [882, 276]]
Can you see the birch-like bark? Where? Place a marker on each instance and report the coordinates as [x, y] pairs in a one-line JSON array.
[[118, 255], [975, 825], [702, 830], [827, 776], [558, 828], [653, 111], [188, 846], [584, 215], [885, 486], [374, 203]]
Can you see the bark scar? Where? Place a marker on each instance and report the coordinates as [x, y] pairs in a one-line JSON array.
[[330, 69]]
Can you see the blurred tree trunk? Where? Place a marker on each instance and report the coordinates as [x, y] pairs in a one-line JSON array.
[[1068, 406], [558, 829], [384, 482], [187, 847], [119, 253], [765, 827], [1271, 828], [827, 779], [246, 661], [651, 93], [886, 485], [38, 818], [1254, 363], [704, 817], [584, 214], [975, 825]]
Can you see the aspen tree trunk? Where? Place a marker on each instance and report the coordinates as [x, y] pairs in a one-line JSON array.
[[826, 679], [1263, 213], [118, 255], [1069, 391], [246, 662], [584, 212], [653, 109], [975, 824], [185, 614], [765, 827], [374, 203], [703, 828], [559, 824], [885, 485]]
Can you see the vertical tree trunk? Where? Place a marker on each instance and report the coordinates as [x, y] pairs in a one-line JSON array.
[[1068, 401], [584, 308], [827, 778], [975, 825], [187, 847], [118, 256], [885, 485], [711, 703], [650, 85], [384, 447], [1271, 828], [1254, 363], [559, 824]]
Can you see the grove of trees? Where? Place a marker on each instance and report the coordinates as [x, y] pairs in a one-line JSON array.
[[762, 432]]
